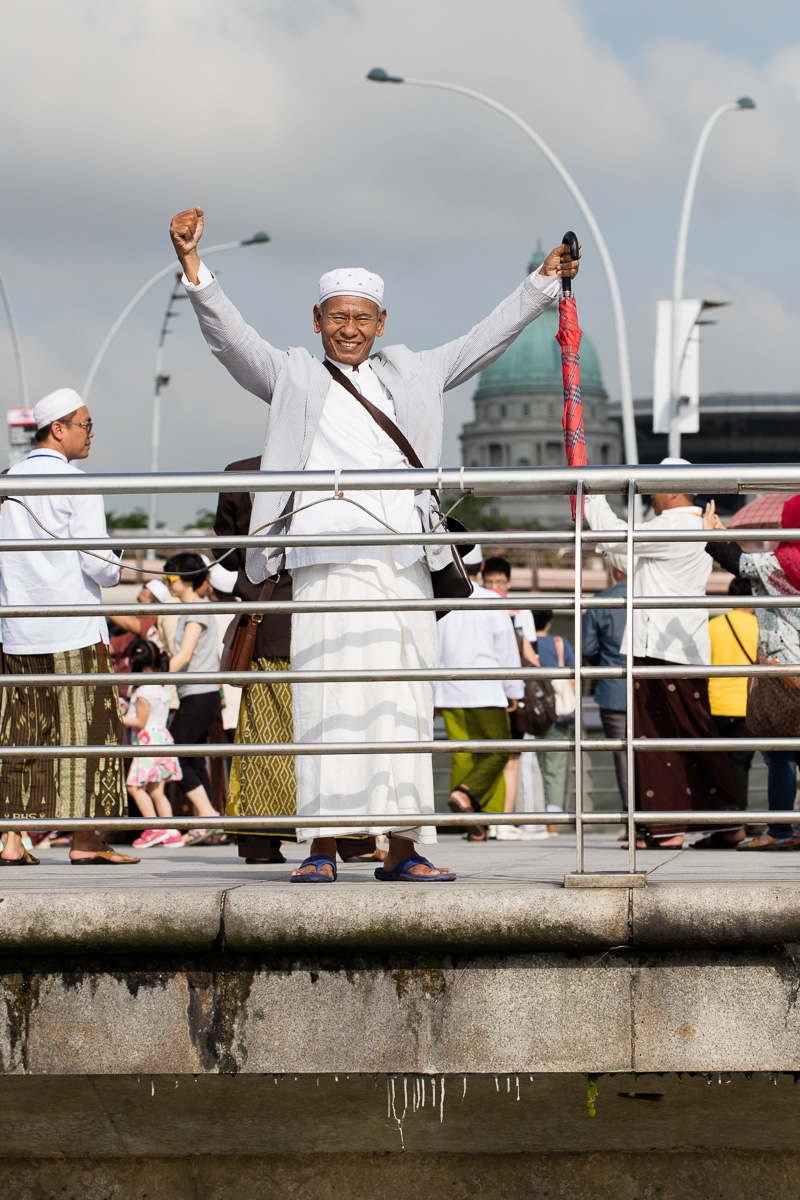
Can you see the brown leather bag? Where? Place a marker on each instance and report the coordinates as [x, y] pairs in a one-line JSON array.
[[773, 704], [239, 641], [451, 582]]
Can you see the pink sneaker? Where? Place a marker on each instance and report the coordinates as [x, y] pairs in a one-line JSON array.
[[171, 837], [158, 837]]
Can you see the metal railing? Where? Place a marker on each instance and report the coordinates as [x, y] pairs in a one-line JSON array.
[[620, 481]]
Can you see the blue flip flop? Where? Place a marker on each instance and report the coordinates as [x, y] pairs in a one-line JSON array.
[[317, 861], [401, 872]]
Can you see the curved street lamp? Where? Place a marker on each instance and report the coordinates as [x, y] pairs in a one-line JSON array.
[[12, 325], [743, 104], [257, 239], [378, 75]]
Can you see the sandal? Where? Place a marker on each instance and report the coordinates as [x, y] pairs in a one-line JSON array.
[[25, 860], [104, 858], [755, 843], [198, 837], [316, 861], [475, 833], [402, 874]]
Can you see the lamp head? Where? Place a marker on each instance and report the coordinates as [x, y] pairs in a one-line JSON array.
[[256, 239], [378, 75], [746, 102]]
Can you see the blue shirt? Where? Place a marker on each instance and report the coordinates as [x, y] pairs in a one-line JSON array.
[[603, 630]]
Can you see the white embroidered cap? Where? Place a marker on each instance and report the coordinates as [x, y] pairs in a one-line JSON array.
[[56, 405], [674, 462], [474, 558], [158, 590], [221, 579], [351, 281]]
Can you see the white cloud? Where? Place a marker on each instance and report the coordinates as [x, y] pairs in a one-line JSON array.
[[259, 111]]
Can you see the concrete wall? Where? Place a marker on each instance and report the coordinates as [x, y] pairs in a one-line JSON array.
[[238, 1137]]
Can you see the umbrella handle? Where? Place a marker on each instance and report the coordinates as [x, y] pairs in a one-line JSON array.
[[570, 240]]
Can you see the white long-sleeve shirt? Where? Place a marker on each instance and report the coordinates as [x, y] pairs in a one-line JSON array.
[[478, 639], [348, 438], [663, 569], [63, 577]]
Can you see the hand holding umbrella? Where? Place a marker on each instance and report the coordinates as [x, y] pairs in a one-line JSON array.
[[569, 338]]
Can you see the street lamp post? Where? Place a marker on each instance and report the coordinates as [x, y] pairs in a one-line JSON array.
[[378, 75], [743, 104], [257, 239], [12, 325], [161, 381]]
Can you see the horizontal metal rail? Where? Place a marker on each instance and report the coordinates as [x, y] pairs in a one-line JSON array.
[[395, 821], [472, 604], [506, 481], [519, 537], [467, 746], [282, 749], [246, 678]]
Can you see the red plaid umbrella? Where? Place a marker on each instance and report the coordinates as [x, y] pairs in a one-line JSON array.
[[569, 338], [762, 513]]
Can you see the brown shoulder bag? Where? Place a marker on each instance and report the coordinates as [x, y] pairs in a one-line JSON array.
[[239, 641]]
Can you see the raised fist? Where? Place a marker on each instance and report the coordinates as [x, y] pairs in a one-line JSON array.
[[186, 230]]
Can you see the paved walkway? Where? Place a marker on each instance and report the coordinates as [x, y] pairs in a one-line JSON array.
[[496, 864]]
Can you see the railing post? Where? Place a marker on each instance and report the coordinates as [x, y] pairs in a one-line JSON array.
[[578, 644], [580, 877], [629, 569]]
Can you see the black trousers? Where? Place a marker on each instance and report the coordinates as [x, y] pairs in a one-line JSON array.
[[740, 760], [190, 727]]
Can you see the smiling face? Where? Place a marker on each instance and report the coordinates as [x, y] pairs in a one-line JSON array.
[[349, 326]]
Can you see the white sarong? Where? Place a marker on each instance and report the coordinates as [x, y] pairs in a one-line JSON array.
[[380, 711]]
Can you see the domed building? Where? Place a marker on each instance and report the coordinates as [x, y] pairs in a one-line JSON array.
[[518, 409]]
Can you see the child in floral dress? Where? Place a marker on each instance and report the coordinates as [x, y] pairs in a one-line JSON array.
[[148, 711]]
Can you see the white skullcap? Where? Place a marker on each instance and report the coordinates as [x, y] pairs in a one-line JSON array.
[[475, 556], [351, 281], [221, 579], [56, 405], [206, 560], [158, 590], [674, 462]]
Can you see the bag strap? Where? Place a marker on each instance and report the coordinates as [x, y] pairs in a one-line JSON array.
[[392, 431], [738, 639], [267, 588], [380, 418]]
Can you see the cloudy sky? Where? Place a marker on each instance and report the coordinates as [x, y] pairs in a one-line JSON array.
[[119, 114]]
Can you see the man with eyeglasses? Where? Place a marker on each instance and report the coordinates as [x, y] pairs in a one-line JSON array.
[[47, 789], [355, 410]]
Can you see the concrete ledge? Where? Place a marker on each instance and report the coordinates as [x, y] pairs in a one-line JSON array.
[[120, 919], [716, 914], [279, 918], [396, 917]]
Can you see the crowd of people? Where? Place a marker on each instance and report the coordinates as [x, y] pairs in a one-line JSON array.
[[355, 409]]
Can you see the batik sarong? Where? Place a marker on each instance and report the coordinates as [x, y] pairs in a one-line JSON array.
[[51, 789], [263, 785]]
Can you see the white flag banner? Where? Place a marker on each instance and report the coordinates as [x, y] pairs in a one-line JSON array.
[[689, 377]]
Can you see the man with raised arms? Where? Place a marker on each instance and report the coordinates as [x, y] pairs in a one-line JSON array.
[[317, 423]]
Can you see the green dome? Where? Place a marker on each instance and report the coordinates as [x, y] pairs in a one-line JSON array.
[[532, 364]]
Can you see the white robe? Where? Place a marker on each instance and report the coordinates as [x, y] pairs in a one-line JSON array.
[[379, 782]]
